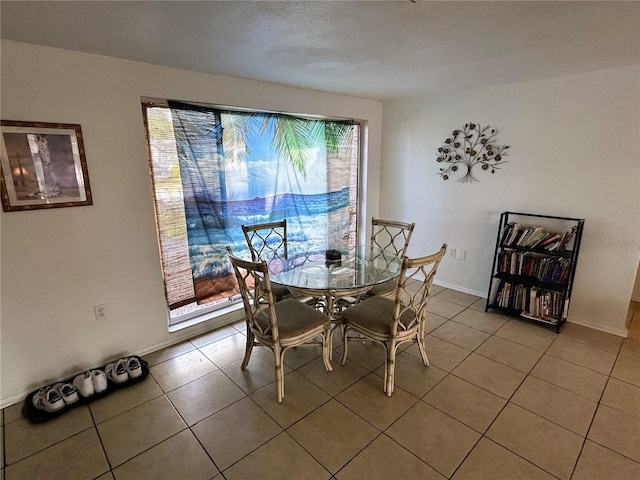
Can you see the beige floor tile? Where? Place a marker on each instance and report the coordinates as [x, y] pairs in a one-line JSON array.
[[627, 369], [385, 459], [473, 406], [226, 351], [443, 308], [205, 396], [369, 355], [630, 348], [486, 322], [367, 398], [490, 461], [490, 375], [240, 326], [433, 321], [461, 335], [528, 334], [455, 296], [594, 338], [279, 458], [259, 372], [584, 355], [13, 412], [62, 461], [1, 443], [245, 425], [136, 430], [545, 444], [434, 437], [181, 370], [442, 354], [572, 377], [509, 353], [413, 376], [435, 289], [479, 305], [623, 397], [336, 381], [180, 456], [167, 353], [298, 356], [333, 435], [300, 397], [616, 431], [597, 462], [556, 404], [124, 399], [23, 438], [212, 336], [106, 476]]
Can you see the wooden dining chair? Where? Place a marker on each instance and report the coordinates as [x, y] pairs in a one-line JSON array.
[[393, 237], [277, 325], [394, 322], [268, 241]]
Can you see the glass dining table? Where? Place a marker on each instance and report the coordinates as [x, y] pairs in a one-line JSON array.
[[334, 275]]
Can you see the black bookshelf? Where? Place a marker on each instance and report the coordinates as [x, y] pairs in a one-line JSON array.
[[534, 266]]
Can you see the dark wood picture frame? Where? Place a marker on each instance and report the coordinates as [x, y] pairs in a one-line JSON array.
[[42, 165]]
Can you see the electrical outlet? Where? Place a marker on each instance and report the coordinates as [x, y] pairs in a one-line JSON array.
[[452, 253], [100, 311], [461, 254]]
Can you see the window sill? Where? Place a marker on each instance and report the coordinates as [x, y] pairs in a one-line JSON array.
[[220, 317]]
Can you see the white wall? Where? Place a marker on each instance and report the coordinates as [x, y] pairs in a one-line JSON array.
[[575, 152], [57, 264]]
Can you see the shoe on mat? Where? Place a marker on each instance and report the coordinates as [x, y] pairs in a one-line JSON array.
[[84, 384], [99, 380], [67, 391], [132, 364], [117, 372], [48, 399]]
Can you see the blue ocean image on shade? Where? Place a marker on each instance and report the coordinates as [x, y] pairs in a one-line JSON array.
[[261, 188]]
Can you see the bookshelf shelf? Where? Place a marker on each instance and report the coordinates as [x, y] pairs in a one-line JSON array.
[[534, 266]]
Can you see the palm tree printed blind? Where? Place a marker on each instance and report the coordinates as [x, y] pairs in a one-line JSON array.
[[214, 170]]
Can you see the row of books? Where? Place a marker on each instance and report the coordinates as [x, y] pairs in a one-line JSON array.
[[532, 236], [546, 269], [533, 302]]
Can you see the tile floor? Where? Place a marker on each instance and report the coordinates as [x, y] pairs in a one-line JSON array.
[[503, 399]]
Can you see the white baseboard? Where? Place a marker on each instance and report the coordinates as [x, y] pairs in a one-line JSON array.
[[620, 332], [461, 289]]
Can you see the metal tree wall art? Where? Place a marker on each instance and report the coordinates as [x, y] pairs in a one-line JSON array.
[[464, 149]]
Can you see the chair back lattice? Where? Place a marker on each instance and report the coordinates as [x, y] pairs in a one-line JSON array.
[[412, 290], [390, 237], [266, 240], [257, 295]]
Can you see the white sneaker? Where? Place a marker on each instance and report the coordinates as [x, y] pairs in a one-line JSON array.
[[48, 399], [134, 369], [117, 372], [67, 391], [99, 380], [84, 384]]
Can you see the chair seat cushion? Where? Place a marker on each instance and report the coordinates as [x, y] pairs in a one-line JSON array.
[[375, 314], [294, 318], [386, 289], [279, 291]]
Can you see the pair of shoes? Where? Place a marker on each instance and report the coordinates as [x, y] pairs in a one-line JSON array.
[[90, 382], [123, 370], [48, 399], [68, 393]]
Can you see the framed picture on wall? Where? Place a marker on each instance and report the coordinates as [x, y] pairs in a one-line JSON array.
[[43, 166]]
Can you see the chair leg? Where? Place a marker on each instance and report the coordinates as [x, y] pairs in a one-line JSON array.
[[390, 369], [278, 358], [327, 349], [247, 353], [345, 343], [423, 351]]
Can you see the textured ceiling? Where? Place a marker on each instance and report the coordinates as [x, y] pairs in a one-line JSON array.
[[376, 49]]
